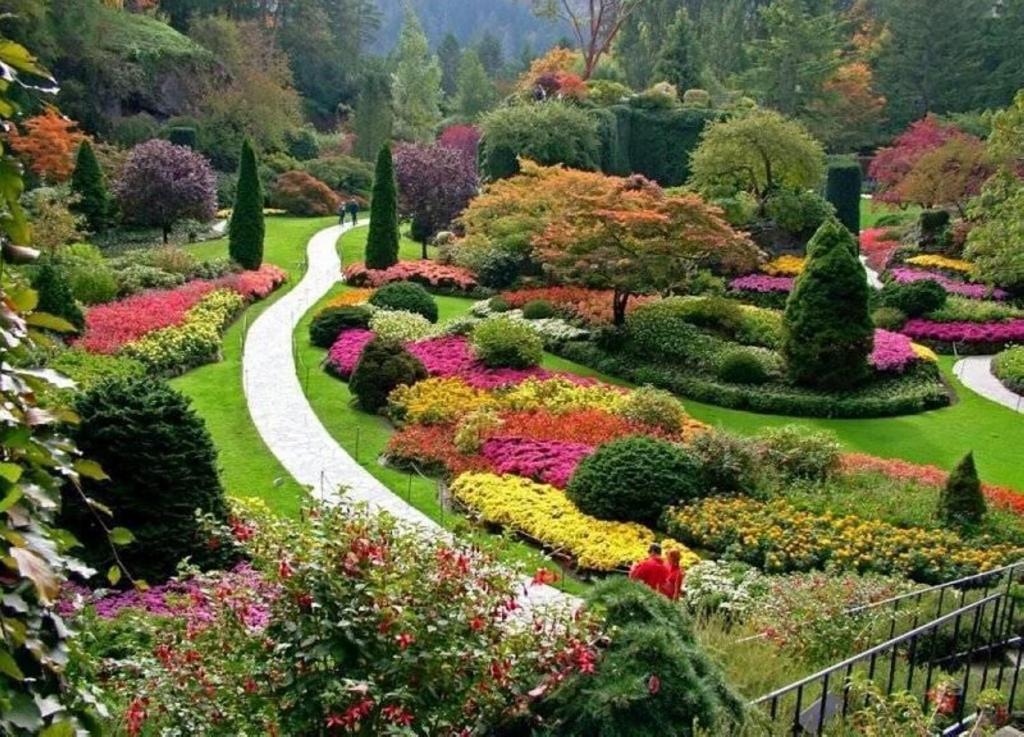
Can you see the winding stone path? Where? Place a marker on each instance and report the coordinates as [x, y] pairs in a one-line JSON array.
[[287, 422], [975, 372]]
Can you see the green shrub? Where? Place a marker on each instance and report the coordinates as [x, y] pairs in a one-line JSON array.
[[974, 310], [662, 330], [714, 313], [505, 343], [915, 298], [796, 454], [538, 309], [760, 327], [651, 680], [341, 173], [498, 304], [139, 277], [729, 464], [246, 229], [408, 296], [93, 284], [181, 135], [329, 322], [497, 269], [742, 366], [828, 331], [888, 318], [1008, 366], [553, 133], [401, 325], [797, 211], [842, 189], [91, 369], [55, 295], [934, 228], [654, 407], [382, 235], [302, 144], [162, 465], [961, 501], [382, 366], [633, 479]]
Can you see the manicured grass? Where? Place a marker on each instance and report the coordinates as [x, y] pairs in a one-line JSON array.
[[248, 468], [871, 212], [352, 244]]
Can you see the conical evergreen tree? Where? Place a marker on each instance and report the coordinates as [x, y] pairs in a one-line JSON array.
[[55, 296], [382, 241], [961, 501], [246, 229], [828, 334], [679, 59], [94, 203]]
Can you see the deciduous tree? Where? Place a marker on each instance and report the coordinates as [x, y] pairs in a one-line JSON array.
[[594, 23], [48, 144], [893, 163], [946, 176]]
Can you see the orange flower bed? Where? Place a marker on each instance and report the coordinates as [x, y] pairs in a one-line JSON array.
[[1001, 496], [351, 297], [593, 306]]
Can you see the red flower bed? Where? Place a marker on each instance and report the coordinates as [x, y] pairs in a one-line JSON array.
[[593, 306], [1001, 496], [588, 426], [548, 461], [431, 447], [878, 246], [426, 272]]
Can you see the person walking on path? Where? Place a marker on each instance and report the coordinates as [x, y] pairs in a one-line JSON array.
[[342, 212], [652, 570], [351, 208], [674, 575]]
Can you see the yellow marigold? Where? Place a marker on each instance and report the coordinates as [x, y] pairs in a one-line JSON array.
[[437, 401], [561, 395], [935, 261], [351, 297], [546, 514], [924, 352], [787, 265]]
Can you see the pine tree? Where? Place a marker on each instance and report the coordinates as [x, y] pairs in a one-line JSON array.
[[417, 83], [476, 91], [679, 59], [449, 54], [246, 229], [94, 203], [374, 116], [828, 334], [961, 501], [382, 240], [491, 54], [55, 296]]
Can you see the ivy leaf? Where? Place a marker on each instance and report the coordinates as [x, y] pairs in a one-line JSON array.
[[8, 666], [114, 575], [121, 536]]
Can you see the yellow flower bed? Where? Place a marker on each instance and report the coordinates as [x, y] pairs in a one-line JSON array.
[[561, 395], [924, 352], [195, 341], [787, 265], [436, 401], [350, 297], [778, 537], [546, 514], [935, 261]]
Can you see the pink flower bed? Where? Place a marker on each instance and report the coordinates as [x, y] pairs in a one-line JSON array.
[[965, 332], [878, 246], [892, 352], [906, 275], [426, 272], [255, 284], [763, 283], [346, 349], [548, 461]]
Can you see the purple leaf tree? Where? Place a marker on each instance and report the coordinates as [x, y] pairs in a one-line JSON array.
[[435, 183], [162, 183]]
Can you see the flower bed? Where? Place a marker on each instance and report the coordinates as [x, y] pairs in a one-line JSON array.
[[548, 461], [1008, 367], [970, 337], [343, 354], [934, 260], [904, 275], [893, 352], [350, 297], [592, 306], [544, 513], [428, 273], [786, 265], [762, 283], [878, 246], [776, 537]]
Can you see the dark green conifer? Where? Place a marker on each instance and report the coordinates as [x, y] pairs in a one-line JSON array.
[[55, 295], [382, 240], [246, 229], [961, 501], [94, 203]]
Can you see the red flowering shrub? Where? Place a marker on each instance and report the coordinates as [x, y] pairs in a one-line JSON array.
[[463, 138], [587, 426], [878, 245], [893, 163], [593, 306], [425, 272], [303, 194]]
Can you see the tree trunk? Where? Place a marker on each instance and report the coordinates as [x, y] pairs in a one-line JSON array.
[[619, 300], [167, 233]]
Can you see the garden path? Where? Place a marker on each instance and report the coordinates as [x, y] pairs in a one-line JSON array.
[[287, 422], [976, 374]]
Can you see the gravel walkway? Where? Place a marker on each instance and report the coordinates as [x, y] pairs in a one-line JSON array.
[[287, 422], [976, 374]]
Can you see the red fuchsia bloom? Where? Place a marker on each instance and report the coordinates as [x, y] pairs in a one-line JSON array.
[[241, 531], [305, 601], [653, 684], [250, 686], [404, 640], [397, 715], [284, 569]]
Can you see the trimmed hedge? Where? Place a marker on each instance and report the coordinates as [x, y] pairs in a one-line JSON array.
[[383, 366], [329, 322], [842, 189], [408, 296]]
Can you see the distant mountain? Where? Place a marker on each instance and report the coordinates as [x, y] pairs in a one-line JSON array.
[[510, 20]]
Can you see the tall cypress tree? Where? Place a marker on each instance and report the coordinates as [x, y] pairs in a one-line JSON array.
[[382, 241], [828, 334], [246, 229], [94, 203]]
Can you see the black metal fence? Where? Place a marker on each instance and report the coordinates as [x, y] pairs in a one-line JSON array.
[[971, 648]]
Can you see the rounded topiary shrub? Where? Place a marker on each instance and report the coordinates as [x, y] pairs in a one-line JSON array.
[[538, 309], [498, 304], [408, 296], [382, 366], [662, 330], [162, 465], [914, 299], [795, 454], [654, 407], [742, 366], [504, 343], [329, 322], [634, 479]]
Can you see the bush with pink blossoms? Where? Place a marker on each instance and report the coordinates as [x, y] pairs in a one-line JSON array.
[[430, 274], [342, 356], [906, 275], [972, 336], [548, 461], [892, 352], [762, 283]]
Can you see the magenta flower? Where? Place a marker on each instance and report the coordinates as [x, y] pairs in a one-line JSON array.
[[965, 332], [345, 352], [763, 283], [548, 461], [906, 275], [892, 352]]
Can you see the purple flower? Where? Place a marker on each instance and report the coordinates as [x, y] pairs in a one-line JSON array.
[[763, 283], [548, 461], [905, 275], [965, 332], [892, 352]]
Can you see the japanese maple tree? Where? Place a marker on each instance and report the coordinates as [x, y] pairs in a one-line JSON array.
[[48, 144], [893, 163], [947, 176]]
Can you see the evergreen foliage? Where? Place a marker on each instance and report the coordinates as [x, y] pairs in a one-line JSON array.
[[247, 229], [842, 189], [828, 334], [476, 93], [182, 135], [94, 201], [55, 295], [328, 323], [162, 465], [408, 296], [961, 501], [553, 133], [417, 83], [382, 239], [448, 55], [382, 366], [505, 343], [679, 60], [374, 112], [634, 479]]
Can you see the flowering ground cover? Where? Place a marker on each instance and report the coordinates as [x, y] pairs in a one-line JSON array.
[[894, 352], [905, 275], [762, 283], [934, 260], [878, 246], [983, 334], [426, 272], [786, 265]]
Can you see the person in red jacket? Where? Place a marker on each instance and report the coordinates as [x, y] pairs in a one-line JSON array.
[[652, 570], [674, 575]]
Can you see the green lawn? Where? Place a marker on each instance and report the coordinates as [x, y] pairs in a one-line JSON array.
[[352, 244], [871, 212], [247, 465]]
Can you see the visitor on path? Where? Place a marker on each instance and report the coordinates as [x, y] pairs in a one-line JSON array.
[[651, 571], [351, 208], [342, 212], [674, 575]]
